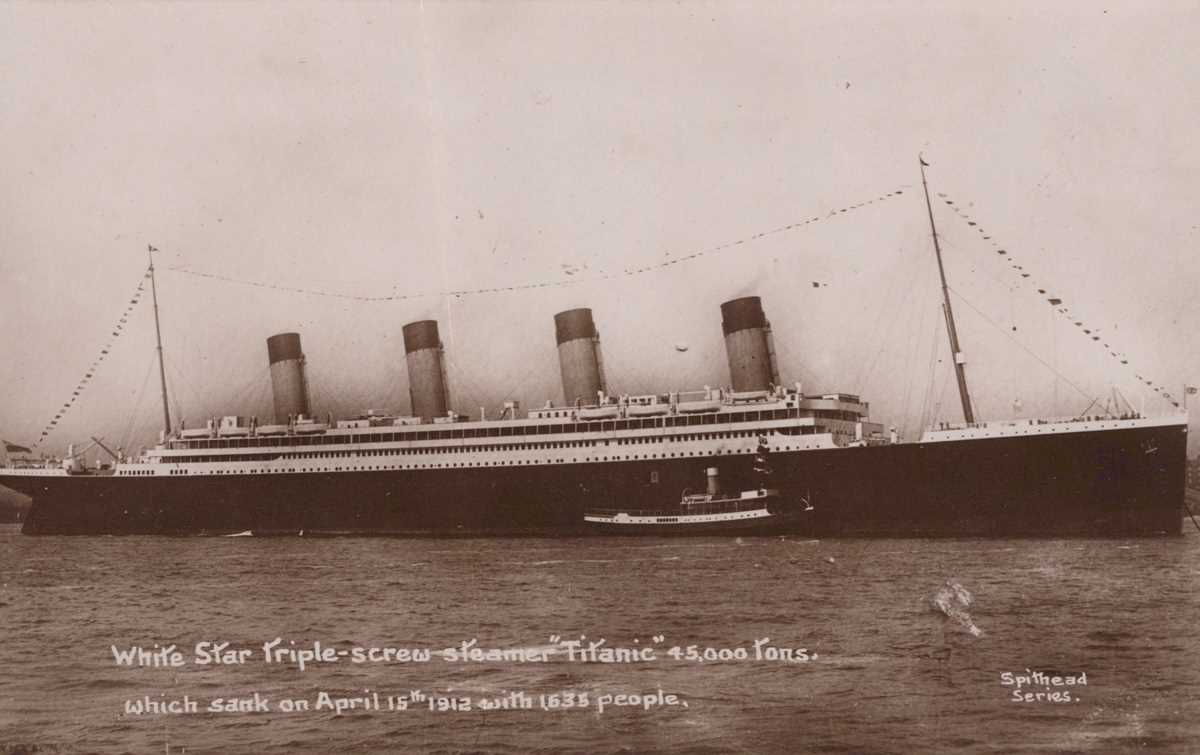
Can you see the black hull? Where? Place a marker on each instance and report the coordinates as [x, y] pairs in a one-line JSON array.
[[1120, 482]]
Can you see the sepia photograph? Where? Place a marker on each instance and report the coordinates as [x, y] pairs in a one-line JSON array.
[[599, 377]]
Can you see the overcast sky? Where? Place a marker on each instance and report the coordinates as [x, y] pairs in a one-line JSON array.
[[395, 149]]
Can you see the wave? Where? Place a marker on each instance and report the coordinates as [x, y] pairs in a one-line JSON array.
[[952, 600]]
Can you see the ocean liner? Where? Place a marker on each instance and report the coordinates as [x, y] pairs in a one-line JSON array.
[[437, 472]]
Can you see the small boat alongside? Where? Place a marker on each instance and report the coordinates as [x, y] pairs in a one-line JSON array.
[[745, 512], [701, 513]]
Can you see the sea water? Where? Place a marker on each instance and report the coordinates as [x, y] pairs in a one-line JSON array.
[[281, 645]]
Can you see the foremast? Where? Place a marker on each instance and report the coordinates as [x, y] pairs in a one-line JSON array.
[[960, 361]]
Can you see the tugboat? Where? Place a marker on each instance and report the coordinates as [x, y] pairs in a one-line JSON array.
[[705, 513]]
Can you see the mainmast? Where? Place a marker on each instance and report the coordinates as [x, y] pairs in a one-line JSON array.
[[162, 373], [960, 361]]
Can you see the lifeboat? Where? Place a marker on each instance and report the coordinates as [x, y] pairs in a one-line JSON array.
[[749, 395], [599, 412], [272, 430], [696, 407], [646, 410]]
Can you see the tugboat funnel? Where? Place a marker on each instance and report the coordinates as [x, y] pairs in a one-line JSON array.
[[714, 480]]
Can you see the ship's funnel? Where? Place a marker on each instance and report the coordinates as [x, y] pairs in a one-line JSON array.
[[288, 383], [713, 477], [748, 345], [426, 375], [579, 356]]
